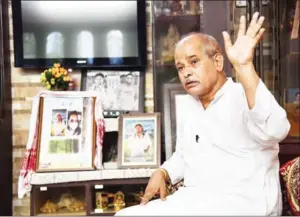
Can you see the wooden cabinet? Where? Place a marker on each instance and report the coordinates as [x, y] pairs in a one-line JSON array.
[[289, 42], [277, 57], [171, 20], [98, 197]]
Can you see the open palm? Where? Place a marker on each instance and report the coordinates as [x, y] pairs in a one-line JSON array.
[[242, 51]]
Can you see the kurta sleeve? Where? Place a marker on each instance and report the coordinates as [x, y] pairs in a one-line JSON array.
[[148, 141], [175, 164], [266, 121]]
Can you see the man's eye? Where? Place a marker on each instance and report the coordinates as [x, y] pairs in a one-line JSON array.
[[179, 68], [194, 62]]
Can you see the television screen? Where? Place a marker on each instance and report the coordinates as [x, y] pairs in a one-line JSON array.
[[79, 33]]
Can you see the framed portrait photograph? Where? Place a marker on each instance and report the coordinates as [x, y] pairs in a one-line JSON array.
[[292, 107], [174, 96], [121, 91], [139, 141], [66, 139]]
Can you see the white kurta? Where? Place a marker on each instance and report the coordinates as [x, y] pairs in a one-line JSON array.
[[138, 145], [233, 168]]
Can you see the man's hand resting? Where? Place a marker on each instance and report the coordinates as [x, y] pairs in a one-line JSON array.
[[156, 185]]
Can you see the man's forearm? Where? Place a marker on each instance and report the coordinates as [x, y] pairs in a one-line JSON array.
[[249, 80]]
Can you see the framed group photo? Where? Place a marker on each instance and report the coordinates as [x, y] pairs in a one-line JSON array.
[[66, 139], [120, 91], [139, 141]]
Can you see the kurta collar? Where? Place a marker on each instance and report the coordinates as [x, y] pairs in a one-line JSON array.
[[220, 92]]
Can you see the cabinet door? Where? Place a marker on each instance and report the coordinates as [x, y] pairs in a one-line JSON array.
[[289, 38], [171, 20], [277, 56], [267, 52]]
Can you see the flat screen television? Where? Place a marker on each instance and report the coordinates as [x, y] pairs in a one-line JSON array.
[[80, 34]]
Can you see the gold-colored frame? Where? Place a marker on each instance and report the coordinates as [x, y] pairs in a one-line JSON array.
[[40, 124], [156, 116]]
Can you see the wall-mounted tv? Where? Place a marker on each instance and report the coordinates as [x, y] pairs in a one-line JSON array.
[[80, 34]]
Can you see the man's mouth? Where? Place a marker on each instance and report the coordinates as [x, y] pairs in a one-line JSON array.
[[190, 84]]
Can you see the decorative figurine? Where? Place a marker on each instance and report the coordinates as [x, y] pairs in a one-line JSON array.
[[76, 206], [169, 44], [65, 200], [119, 200], [49, 207], [176, 7], [101, 200], [194, 7], [71, 203]]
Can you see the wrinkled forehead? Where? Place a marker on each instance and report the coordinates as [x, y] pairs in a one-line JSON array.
[[187, 48]]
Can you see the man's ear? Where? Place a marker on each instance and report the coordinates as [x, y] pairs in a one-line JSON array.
[[219, 61]]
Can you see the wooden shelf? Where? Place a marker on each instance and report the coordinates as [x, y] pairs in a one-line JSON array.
[[38, 196], [290, 147], [183, 18], [63, 212], [109, 211]]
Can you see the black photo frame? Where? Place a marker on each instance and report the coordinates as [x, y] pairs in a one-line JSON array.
[[137, 62], [115, 79]]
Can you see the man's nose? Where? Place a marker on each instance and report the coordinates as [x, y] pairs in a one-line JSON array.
[[187, 73]]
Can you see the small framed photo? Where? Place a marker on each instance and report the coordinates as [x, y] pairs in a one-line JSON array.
[[121, 91], [292, 107], [292, 95], [139, 141], [66, 138]]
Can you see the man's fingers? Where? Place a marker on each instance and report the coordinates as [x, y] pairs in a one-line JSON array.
[[258, 26], [147, 196], [259, 35], [162, 191], [242, 27], [227, 40], [252, 25]]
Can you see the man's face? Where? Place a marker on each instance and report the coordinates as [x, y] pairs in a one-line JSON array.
[[99, 80], [73, 121], [59, 118], [197, 72], [129, 79], [138, 129]]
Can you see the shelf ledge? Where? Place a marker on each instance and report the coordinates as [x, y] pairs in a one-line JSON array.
[[65, 177]]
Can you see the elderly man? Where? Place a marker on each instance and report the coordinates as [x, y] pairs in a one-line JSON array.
[[227, 150]]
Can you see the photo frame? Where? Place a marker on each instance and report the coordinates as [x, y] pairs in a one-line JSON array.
[[67, 131], [173, 94], [122, 91], [139, 141]]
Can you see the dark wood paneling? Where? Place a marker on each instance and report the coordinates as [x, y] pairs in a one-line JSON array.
[[5, 114], [216, 18]]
